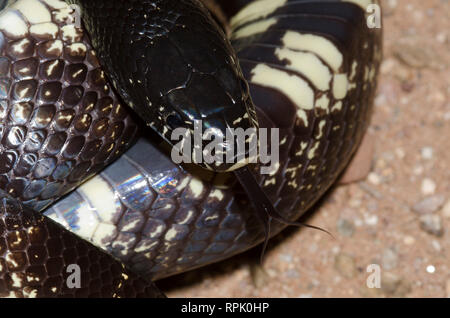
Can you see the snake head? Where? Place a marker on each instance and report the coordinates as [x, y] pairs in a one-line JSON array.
[[174, 66], [217, 113]]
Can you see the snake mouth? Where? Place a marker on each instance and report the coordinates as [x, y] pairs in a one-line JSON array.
[[218, 134]]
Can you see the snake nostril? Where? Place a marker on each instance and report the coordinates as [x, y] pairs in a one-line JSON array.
[[175, 121]]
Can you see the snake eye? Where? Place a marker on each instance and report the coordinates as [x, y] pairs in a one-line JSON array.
[[175, 121]]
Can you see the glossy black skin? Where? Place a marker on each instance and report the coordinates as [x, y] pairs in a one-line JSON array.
[[181, 68], [35, 255], [66, 127], [231, 7], [174, 65], [60, 120]]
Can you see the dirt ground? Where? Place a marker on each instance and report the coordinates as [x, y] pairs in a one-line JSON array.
[[398, 216]]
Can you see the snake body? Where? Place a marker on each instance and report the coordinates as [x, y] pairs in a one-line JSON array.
[[311, 72]]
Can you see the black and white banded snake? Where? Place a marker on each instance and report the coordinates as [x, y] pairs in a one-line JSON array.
[[311, 68]]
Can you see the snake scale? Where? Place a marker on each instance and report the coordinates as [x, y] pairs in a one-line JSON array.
[[73, 150]]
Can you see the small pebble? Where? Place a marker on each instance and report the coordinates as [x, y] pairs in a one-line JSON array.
[[436, 245], [407, 86], [416, 55], [388, 65], [437, 97], [446, 210], [441, 37], [271, 272], [428, 187], [335, 249], [292, 273], [418, 170], [394, 285], [431, 269], [389, 9], [409, 240], [389, 259], [392, 3], [380, 100], [345, 265], [447, 116], [345, 227], [429, 204], [404, 75], [374, 178], [358, 222], [286, 258], [432, 224], [400, 153], [427, 153], [355, 202], [259, 276], [371, 219], [390, 282]]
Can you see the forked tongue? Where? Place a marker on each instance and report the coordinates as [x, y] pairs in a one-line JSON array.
[[263, 207]]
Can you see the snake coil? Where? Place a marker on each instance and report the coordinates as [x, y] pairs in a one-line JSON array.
[[308, 68]]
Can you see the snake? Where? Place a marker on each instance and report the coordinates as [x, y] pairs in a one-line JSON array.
[[86, 118]]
